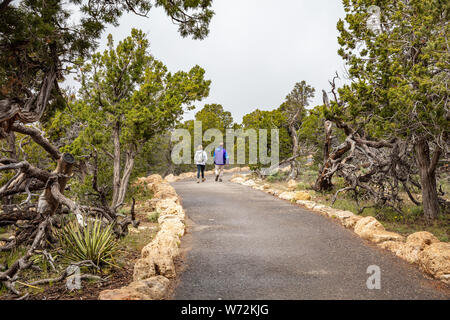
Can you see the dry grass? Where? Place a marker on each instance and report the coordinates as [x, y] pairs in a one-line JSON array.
[[411, 221]]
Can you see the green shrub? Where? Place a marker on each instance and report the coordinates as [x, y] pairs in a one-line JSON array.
[[92, 242], [153, 217], [279, 176]]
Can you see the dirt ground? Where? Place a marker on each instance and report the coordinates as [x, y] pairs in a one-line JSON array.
[[129, 251]]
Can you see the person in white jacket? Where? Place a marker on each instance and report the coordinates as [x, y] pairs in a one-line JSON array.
[[200, 159]]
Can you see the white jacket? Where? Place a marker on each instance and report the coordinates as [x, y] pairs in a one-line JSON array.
[[200, 157]]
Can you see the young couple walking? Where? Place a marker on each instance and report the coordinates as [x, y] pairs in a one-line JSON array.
[[220, 160]]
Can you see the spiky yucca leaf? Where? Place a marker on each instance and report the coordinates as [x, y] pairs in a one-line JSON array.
[[92, 242]]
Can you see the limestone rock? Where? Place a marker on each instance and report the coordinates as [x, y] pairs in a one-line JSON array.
[[277, 192], [144, 269], [371, 229], [258, 187], [301, 195], [238, 180], [154, 178], [171, 178], [172, 224], [164, 244], [168, 206], [341, 215], [367, 226], [382, 236], [393, 246], [292, 185], [164, 191], [154, 288], [287, 195], [249, 183], [415, 244], [350, 222], [307, 204], [187, 175], [435, 260], [321, 208]]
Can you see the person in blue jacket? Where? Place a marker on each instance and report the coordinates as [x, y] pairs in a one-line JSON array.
[[220, 160]]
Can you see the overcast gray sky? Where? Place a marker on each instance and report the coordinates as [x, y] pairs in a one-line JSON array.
[[256, 50]]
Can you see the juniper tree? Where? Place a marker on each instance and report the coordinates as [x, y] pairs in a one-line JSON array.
[[399, 76]]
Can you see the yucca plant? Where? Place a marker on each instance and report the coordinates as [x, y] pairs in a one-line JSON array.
[[92, 242]]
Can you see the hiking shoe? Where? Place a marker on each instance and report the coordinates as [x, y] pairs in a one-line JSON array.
[[203, 180], [217, 178], [198, 180], [220, 180]]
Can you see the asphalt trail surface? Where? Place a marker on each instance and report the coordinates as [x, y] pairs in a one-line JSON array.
[[245, 244]]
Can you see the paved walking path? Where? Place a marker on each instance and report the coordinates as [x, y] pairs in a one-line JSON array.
[[245, 244]]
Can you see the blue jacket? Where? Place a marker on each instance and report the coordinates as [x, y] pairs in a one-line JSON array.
[[220, 156]]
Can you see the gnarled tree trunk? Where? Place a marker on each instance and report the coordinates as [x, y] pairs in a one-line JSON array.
[[127, 170], [427, 169], [294, 165], [116, 172]]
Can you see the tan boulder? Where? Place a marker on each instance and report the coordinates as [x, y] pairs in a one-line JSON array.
[[163, 264], [393, 246], [435, 260], [381, 236], [321, 208], [166, 204], [340, 215], [307, 204], [155, 204], [415, 244], [151, 181], [249, 183], [350, 222], [287, 195], [171, 178], [266, 186], [367, 226], [371, 229], [175, 210], [187, 175], [292, 185], [144, 268], [164, 191], [301, 195], [173, 224], [162, 250], [154, 178], [165, 243], [238, 180], [258, 187], [154, 288]]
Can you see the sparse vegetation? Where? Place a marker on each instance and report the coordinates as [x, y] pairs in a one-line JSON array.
[[93, 242]]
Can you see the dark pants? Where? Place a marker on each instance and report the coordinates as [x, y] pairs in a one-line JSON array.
[[200, 168]]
